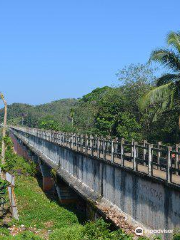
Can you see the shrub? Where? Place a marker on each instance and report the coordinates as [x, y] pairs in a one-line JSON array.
[[15, 163], [99, 230], [176, 236]]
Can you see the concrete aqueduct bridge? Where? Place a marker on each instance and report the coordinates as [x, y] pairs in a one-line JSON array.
[[140, 182]]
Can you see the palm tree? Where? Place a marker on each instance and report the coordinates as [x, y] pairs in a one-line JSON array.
[[166, 95]]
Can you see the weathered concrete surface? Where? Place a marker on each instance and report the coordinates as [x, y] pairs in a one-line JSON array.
[[150, 202], [19, 148], [48, 182]]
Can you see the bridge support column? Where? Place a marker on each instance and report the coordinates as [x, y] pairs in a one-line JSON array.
[[65, 193], [48, 182], [35, 159], [91, 212]]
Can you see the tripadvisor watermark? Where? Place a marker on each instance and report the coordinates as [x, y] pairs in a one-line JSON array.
[[140, 231]]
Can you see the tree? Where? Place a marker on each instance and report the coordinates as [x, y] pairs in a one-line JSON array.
[[113, 118], [109, 106], [166, 95], [137, 80], [49, 123]]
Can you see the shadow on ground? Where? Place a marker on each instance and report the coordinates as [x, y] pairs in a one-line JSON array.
[[72, 207]]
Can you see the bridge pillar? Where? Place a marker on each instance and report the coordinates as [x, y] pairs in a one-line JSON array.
[[35, 160], [65, 193], [48, 182], [91, 212]]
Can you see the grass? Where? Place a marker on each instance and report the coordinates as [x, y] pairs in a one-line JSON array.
[[35, 209], [37, 213]]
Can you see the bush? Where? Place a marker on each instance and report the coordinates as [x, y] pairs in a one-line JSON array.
[[27, 235], [176, 236], [99, 230], [15, 163]]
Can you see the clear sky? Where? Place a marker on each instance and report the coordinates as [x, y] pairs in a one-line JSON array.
[[53, 49]]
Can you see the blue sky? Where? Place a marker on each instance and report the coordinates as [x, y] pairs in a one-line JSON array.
[[65, 48]]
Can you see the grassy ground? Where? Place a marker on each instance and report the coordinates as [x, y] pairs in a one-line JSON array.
[[37, 210]]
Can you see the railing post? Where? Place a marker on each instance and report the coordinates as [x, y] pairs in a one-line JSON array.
[[116, 146], [122, 151], [71, 141], [67, 139], [75, 141], [150, 159], [104, 149], [86, 143], [177, 159], [112, 150], [159, 154], [132, 149], [63, 138], [144, 151], [60, 138], [76, 137], [91, 144], [81, 142], [134, 156], [98, 147], [52, 136], [168, 169]]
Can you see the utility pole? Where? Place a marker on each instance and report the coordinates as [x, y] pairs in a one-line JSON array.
[[4, 129]]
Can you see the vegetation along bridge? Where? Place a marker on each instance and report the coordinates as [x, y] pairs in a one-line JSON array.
[[136, 182]]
